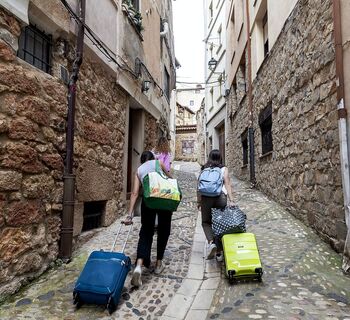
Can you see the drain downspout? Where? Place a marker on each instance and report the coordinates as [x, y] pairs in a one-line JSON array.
[[250, 102], [342, 125], [66, 242]]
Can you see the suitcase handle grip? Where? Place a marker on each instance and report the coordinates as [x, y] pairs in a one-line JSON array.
[[126, 239]]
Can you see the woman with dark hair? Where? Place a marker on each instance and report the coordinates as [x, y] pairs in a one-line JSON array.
[[206, 203], [148, 216]]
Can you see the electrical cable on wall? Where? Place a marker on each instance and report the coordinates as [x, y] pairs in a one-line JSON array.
[[97, 42], [105, 50]]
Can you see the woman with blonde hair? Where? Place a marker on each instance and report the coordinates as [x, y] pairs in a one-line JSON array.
[[162, 152]]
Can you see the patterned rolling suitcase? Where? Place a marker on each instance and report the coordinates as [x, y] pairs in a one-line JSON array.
[[102, 279], [241, 256]]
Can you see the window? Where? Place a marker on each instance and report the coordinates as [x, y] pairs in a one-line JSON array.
[[221, 137], [166, 83], [191, 103], [211, 10], [187, 147], [244, 139], [233, 16], [265, 34], [265, 123], [35, 48], [210, 144], [136, 4], [241, 76], [93, 213], [220, 35], [212, 97]]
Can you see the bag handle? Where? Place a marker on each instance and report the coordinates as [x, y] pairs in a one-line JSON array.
[[160, 171], [126, 239]]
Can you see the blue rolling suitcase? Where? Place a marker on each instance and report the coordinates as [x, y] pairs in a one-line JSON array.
[[102, 279]]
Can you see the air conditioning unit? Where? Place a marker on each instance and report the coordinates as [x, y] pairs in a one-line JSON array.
[[64, 74]]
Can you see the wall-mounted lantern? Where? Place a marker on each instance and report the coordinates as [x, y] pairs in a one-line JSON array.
[[146, 84], [212, 64]]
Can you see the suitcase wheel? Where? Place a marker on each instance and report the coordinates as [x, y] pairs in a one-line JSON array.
[[231, 278], [110, 306], [76, 301]]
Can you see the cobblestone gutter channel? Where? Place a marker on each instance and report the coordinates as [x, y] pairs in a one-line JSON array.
[[50, 297], [303, 278]]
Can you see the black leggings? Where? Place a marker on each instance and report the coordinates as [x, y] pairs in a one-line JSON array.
[[148, 217]]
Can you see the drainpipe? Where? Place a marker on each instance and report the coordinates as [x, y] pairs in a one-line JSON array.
[[250, 102], [68, 177], [342, 125]]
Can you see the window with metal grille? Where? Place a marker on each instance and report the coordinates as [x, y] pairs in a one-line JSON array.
[[265, 34], [166, 83], [136, 4], [244, 139], [35, 48], [265, 123], [93, 212]]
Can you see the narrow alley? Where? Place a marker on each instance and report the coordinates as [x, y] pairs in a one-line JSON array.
[[113, 110], [302, 275]]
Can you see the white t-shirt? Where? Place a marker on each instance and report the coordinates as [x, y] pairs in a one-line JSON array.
[[146, 168]]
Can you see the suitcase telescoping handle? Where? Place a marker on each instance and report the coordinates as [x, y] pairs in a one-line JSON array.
[[126, 239]]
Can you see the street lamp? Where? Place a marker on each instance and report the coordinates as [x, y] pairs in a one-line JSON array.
[[145, 85], [212, 64]]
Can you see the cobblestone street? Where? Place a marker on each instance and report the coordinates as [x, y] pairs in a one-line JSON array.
[[50, 297], [302, 278], [302, 275]]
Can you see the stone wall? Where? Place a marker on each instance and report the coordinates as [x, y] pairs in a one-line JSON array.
[[298, 79], [32, 148], [151, 132], [185, 136]]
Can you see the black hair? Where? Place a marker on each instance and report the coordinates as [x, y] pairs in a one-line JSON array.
[[146, 156], [214, 160]]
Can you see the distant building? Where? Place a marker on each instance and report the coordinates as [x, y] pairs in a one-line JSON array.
[[189, 101], [201, 133], [186, 134]]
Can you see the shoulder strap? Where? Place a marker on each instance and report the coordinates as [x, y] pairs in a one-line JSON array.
[[158, 169]]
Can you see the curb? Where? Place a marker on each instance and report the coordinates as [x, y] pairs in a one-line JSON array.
[[193, 299]]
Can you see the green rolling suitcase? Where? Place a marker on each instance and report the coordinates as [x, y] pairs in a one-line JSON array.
[[241, 256]]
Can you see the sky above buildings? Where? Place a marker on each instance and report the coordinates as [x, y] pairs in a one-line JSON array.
[[189, 35]]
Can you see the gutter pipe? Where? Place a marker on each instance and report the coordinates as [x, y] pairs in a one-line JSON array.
[[343, 129], [250, 103], [66, 242]]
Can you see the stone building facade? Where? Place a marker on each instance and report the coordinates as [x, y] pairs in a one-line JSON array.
[[33, 114], [201, 134], [186, 134], [295, 89]]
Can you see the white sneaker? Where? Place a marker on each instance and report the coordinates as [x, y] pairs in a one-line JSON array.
[[219, 257], [159, 269], [211, 251], [136, 277]]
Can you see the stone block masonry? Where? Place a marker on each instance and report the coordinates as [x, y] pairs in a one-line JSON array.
[[33, 112], [298, 80], [151, 132]]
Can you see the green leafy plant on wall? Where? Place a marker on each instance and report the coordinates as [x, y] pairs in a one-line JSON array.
[[134, 14]]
